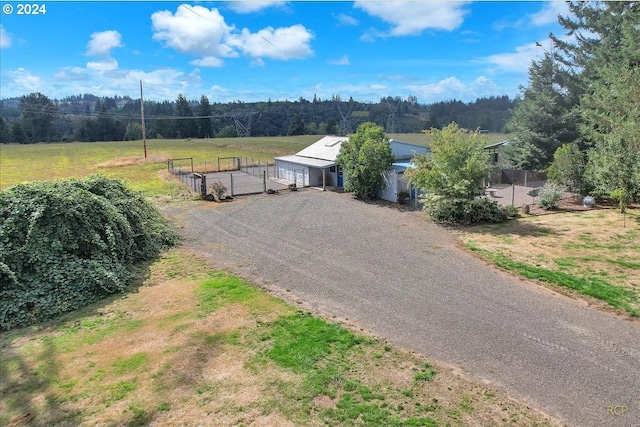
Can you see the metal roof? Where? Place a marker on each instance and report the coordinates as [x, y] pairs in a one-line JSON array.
[[326, 148], [307, 161], [496, 145]]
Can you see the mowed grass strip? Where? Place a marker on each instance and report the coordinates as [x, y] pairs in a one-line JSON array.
[[190, 345], [591, 253]]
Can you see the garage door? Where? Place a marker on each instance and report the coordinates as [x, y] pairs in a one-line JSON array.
[[294, 173]]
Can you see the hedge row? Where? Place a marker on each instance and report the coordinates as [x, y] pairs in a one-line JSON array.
[[67, 243]]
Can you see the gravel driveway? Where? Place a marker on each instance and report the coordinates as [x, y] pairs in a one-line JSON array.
[[405, 280]]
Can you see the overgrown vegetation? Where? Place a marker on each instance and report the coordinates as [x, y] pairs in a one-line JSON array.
[[64, 244]]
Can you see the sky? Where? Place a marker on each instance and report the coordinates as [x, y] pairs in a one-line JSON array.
[[253, 51]]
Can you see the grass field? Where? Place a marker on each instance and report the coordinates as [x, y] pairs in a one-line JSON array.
[[589, 254], [125, 160], [192, 345]]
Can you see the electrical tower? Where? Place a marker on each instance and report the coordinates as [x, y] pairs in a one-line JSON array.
[[346, 127], [243, 122], [392, 119]]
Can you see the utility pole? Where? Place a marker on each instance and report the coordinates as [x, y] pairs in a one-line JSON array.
[[144, 132]]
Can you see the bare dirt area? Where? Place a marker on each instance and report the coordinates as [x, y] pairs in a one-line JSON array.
[[389, 273]]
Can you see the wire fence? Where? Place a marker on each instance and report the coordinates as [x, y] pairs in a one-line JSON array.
[[246, 178]]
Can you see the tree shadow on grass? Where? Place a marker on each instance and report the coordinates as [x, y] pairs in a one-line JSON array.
[[32, 386], [27, 387], [510, 227], [400, 207]]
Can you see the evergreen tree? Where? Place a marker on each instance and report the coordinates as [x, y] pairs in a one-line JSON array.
[[543, 120], [185, 125], [611, 110], [36, 119], [204, 123], [297, 126]]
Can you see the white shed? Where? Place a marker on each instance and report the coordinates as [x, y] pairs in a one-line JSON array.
[[316, 165]]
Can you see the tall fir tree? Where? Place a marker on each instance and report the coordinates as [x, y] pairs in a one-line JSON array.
[[543, 120], [185, 126], [204, 120]]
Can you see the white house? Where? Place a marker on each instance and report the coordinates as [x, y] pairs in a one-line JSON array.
[[316, 165]]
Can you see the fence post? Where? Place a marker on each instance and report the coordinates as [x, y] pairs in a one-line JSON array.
[[203, 186], [231, 176], [264, 181]]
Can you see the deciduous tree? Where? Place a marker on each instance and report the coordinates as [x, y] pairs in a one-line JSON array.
[[364, 158]]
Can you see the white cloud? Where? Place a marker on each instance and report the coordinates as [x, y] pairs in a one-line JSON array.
[[71, 74], [208, 61], [194, 30], [344, 60], [199, 31], [453, 88], [346, 20], [108, 64], [546, 16], [5, 39], [413, 17], [102, 43], [549, 13], [280, 43], [518, 61], [253, 6], [19, 82]]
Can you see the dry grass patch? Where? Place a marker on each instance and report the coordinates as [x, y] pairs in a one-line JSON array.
[[133, 160], [590, 245]]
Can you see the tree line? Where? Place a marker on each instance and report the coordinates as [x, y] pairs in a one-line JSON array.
[[579, 116], [37, 118]]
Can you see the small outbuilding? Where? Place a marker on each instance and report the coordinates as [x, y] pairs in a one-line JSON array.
[[316, 166]]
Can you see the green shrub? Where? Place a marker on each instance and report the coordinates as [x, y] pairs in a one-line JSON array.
[[464, 211], [64, 244], [403, 195], [549, 195]]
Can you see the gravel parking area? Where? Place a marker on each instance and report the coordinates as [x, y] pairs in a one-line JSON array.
[[391, 273]]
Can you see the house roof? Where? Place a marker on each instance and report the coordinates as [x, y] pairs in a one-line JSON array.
[[307, 161], [326, 148], [496, 145]]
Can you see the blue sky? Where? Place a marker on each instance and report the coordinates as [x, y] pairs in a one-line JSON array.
[[255, 51]]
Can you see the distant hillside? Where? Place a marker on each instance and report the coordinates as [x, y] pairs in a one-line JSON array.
[[91, 118]]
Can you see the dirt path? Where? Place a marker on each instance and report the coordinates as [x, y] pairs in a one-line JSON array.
[[406, 280]]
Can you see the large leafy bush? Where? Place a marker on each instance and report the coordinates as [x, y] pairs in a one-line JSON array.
[[64, 244], [465, 211], [549, 195]]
